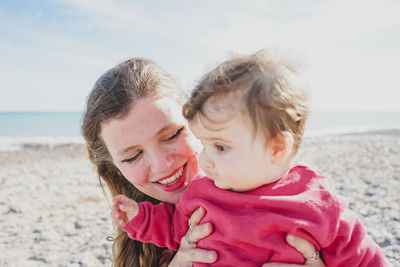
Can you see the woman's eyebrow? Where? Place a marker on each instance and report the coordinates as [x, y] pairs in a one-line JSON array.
[[122, 152], [166, 127]]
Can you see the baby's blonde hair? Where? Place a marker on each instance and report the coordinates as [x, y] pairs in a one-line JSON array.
[[268, 86]]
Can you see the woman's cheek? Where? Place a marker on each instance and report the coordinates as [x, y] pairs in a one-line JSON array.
[[133, 174], [194, 165]]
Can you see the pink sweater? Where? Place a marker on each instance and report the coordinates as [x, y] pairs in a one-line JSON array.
[[250, 227]]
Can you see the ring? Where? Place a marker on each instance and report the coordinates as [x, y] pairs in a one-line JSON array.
[[190, 242], [314, 257], [190, 225]]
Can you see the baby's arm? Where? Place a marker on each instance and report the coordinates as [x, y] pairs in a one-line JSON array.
[[146, 222], [352, 246], [123, 210]]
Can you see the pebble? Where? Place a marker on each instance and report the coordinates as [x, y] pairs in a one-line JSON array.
[[54, 213]]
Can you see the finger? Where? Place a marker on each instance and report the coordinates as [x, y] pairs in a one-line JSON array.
[[125, 207], [200, 255], [117, 222], [130, 209], [115, 212], [316, 263], [116, 198], [302, 245], [116, 217], [119, 199], [199, 232], [114, 221], [196, 216]]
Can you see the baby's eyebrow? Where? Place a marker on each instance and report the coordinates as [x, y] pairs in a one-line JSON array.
[[218, 139]]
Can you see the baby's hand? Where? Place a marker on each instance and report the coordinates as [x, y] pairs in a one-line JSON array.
[[123, 210]]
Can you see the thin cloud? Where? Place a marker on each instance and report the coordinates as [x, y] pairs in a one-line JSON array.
[[341, 41]]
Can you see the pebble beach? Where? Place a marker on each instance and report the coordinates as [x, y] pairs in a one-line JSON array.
[[54, 213]]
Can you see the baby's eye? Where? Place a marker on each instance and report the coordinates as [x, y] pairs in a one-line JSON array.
[[173, 137], [221, 147], [134, 158]]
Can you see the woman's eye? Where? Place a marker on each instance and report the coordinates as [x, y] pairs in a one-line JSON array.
[[173, 137], [134, 158]]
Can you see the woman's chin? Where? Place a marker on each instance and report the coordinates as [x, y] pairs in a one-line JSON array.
[[172, 197]]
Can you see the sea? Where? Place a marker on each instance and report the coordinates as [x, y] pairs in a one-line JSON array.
[[23, 130]]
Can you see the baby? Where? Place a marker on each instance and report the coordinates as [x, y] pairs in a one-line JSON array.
[[249, 114]]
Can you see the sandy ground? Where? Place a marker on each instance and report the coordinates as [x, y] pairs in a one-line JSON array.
[[54, 213]]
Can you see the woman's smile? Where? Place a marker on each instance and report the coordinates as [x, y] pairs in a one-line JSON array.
[[175, 181], [171, 179]]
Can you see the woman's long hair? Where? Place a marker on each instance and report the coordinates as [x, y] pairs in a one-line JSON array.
[[111, 97]]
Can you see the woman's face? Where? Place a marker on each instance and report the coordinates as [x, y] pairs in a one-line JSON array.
[[153, 147]]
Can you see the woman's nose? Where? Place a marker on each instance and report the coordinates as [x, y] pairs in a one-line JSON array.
[[161, 161]]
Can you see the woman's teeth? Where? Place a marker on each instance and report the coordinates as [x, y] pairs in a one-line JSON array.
[[173, 179]]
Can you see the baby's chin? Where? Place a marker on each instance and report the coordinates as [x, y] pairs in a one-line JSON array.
[[229, 188], [220, 185]]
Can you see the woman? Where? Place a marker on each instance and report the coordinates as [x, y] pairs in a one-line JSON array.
[[141, 147]]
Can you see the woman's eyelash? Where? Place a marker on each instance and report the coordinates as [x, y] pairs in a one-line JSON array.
[[134, 158], [175, 135], [169, 139]]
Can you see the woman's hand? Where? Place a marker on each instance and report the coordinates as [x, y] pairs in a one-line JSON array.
[[188, 252], [305, 248]]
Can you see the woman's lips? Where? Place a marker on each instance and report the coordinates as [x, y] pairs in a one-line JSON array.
[[172, 178], [174, 181]]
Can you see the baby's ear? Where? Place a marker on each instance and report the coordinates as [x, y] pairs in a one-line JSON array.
[[282, 147]]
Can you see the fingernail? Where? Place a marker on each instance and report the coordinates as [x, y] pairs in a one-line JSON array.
[[212, 255], [290, 237]]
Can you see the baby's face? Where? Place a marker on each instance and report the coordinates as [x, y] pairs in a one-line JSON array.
[[233, 156]]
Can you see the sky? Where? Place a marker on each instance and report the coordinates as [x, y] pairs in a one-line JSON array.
[[52, 52]]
